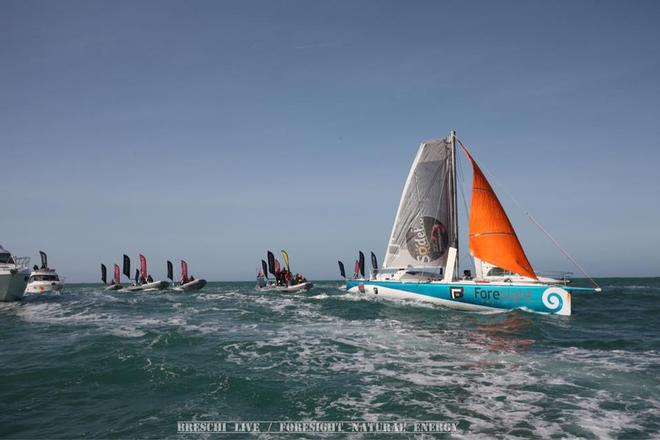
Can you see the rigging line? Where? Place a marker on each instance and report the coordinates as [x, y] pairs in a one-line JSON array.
[[556, 243], [461, 174]]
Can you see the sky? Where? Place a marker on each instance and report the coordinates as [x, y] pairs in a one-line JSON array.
[[215, 130]]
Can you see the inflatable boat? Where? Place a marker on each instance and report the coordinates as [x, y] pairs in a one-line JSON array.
[[296, 288], [148, 287], [191, 286]]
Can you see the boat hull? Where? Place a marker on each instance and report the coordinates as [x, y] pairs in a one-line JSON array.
[[149, 287], [473, 296], [297, 288], [191, 286], [12, 285], [44, 287], [114, 287]]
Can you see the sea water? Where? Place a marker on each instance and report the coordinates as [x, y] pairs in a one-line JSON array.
[[90, 363]]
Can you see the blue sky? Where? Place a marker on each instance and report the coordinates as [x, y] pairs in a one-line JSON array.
[[213, 131]]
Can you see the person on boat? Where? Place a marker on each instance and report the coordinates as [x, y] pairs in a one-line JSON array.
[[192, 278], [261, 280], [142, 280], [150, 279]]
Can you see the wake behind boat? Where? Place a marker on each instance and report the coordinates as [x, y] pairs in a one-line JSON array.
[[422, 256]]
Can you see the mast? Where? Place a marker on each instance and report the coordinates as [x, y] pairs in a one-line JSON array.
[[454, 193]]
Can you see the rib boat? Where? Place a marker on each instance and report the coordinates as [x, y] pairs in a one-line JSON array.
[[141, 283], [282, 285], [187, 284], [115, 282]]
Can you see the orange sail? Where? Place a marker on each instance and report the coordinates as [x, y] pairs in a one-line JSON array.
[[492, 237]]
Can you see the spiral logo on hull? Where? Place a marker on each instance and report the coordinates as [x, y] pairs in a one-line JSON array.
[[553, 298]]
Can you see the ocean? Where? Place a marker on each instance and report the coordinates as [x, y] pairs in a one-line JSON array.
[[95, 364]]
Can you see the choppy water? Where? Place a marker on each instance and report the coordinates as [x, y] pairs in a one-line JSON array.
[[89, 363]]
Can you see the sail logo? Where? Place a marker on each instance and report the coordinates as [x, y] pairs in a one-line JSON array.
[[427, 239]]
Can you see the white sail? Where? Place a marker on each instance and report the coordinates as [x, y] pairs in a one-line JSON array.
[[424, 226]]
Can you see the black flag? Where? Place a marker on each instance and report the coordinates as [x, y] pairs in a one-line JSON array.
[[342, 272], [362, 264], [170, 270], [127, 266], [264, 268], [44, 260], [104, 274], [271, 262], [374, 262]]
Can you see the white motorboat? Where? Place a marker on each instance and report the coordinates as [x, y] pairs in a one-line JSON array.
[[14, 275], [44, 279], [187, 284]]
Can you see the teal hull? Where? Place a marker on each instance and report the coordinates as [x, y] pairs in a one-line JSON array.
[[541, 298]]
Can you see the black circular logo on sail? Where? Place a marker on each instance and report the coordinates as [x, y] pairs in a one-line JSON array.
[[427, 239]]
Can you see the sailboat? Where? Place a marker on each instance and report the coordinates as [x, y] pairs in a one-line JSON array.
[[421, 261], [187, 283]]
